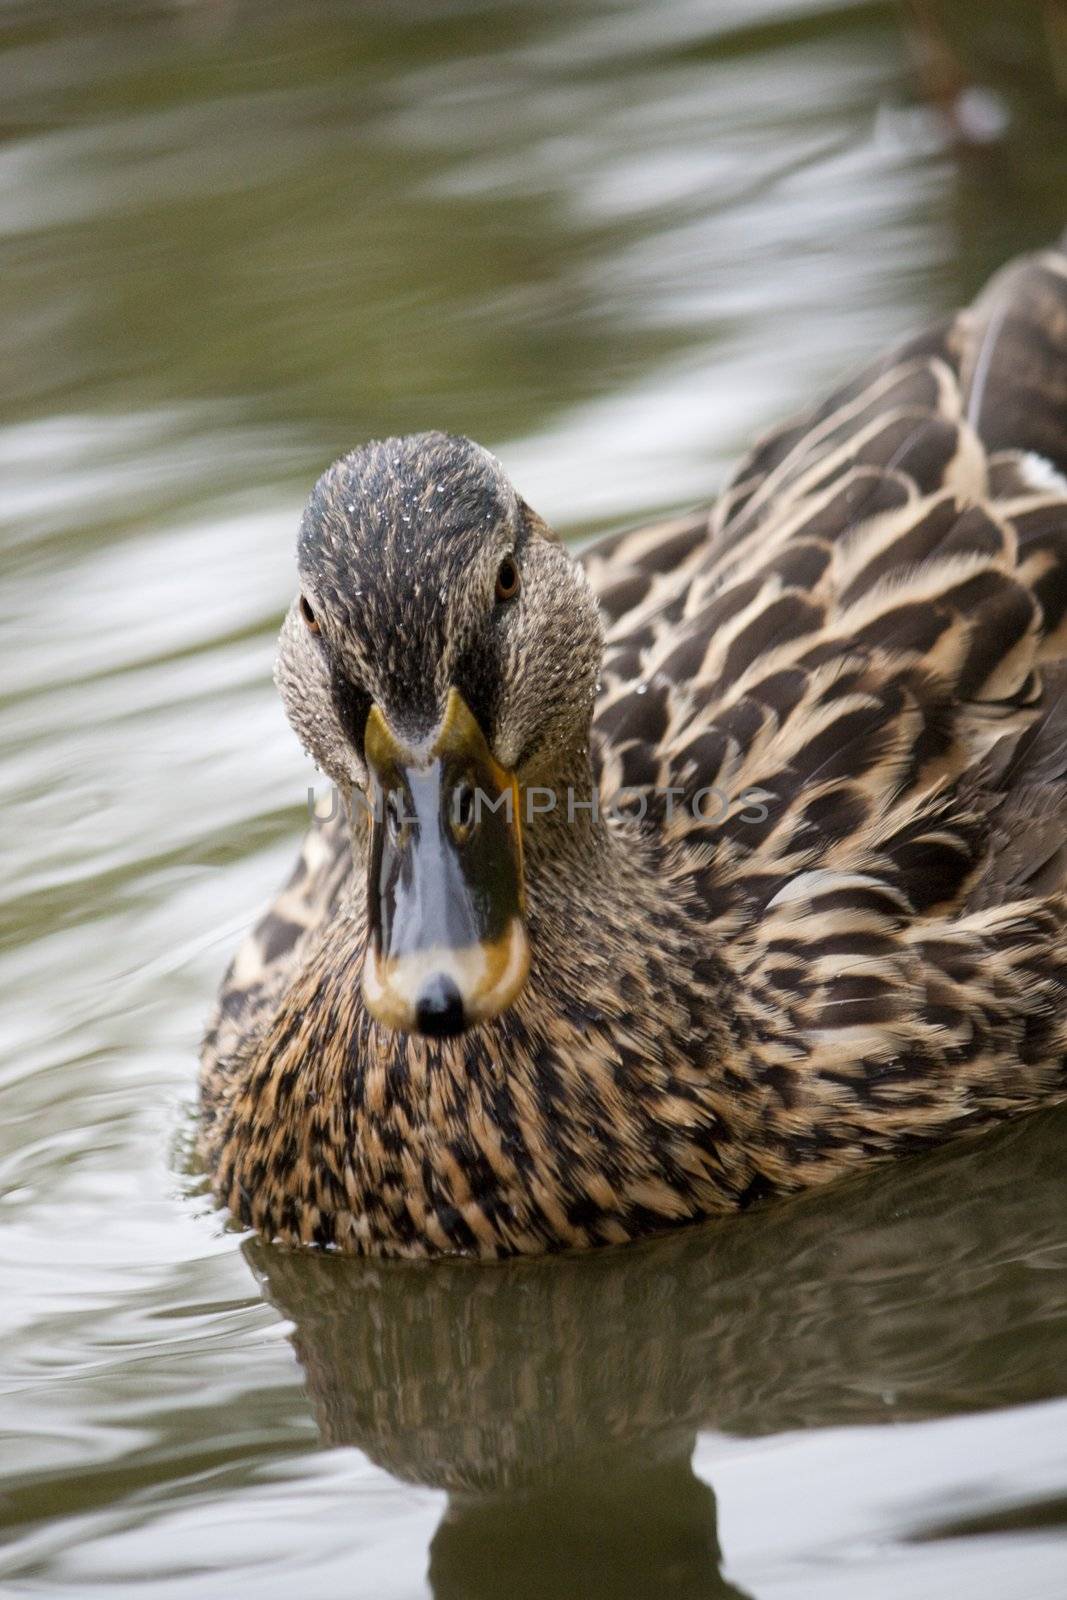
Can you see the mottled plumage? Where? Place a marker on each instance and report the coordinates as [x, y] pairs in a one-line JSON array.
[[853, 945]]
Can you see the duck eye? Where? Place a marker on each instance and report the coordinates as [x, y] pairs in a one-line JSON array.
[[507, 580], [308, 615]]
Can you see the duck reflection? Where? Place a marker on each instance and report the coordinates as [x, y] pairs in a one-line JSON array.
[[558, 1401]]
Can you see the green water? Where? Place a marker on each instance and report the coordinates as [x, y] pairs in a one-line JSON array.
[[610, 241]]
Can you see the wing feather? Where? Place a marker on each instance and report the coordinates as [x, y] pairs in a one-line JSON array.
[[872, 639]]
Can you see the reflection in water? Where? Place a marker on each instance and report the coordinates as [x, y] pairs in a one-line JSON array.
[[558, 1402], [633, 1525]]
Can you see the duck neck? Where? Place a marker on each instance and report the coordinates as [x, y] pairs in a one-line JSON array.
[[615, 898], [564, 818], [577, 850]]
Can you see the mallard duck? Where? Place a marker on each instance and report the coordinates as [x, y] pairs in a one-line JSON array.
[[716, 863]]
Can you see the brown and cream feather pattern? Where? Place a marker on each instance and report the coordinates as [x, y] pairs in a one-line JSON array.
[[832, 926]]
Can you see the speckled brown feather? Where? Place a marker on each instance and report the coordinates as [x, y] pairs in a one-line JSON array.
[[854, 947]]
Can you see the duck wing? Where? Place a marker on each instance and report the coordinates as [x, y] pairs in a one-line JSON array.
[[856, 694], [879, 594]]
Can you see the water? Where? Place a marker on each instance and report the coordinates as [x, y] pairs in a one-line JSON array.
[[611, 241]]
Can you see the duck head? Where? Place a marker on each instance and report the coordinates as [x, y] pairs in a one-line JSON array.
[[441, 656]]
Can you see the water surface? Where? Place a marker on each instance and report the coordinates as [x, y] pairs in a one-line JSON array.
[[611, 241]]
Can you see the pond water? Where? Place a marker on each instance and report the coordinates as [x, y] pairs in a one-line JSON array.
[[610, 240]]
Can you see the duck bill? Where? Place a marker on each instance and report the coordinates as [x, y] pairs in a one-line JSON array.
[[447, 946]]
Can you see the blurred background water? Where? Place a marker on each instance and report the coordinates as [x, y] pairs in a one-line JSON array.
[[610, 239]]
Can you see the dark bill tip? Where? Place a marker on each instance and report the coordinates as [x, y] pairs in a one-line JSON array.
[[439, 1009]]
